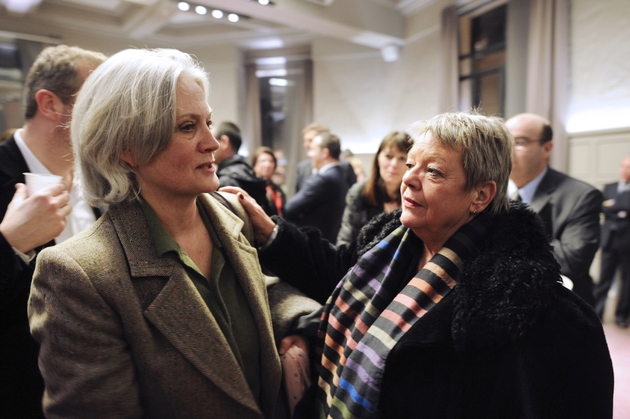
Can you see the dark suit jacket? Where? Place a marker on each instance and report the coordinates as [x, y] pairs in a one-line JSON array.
[[320, 203], [615, 230], [124, 332], [570, 210], [305, 171], [21, 385]]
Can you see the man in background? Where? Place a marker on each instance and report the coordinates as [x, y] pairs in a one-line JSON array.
[[568, 207], [322, 199], [30, 223], [233, 170], [305, 168], [615, 244]]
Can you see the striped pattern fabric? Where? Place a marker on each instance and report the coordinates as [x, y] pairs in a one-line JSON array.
[[373, 307]]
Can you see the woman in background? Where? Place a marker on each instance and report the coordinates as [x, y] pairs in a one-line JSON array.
[[264, 163], [381, 191]]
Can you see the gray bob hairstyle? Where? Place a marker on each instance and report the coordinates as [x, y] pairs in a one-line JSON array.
[[486, 144], [127, 105]]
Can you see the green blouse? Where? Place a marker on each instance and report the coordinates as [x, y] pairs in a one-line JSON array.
[[222, 293]]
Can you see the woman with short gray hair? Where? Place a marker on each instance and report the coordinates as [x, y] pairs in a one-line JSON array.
[[450, 308]]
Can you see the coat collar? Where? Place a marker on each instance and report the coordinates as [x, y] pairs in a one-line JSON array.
[[501, 290], [179, 313], [545, 190]]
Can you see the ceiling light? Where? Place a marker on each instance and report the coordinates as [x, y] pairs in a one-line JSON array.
[[233, 17], [263, 2], [200, 10], [217, 14], [183, 6], [278, 82], [20, 6]]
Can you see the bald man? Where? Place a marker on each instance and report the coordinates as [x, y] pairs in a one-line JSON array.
[[568, 207], [616, 245]]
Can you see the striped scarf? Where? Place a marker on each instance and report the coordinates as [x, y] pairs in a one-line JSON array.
[[372, 308]]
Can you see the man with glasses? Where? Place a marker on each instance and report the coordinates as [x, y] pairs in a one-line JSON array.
[[568, 207]]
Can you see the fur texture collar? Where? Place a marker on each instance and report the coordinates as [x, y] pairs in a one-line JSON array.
[[504, 287]]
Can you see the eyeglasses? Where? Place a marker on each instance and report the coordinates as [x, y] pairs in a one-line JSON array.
[[523, 142]]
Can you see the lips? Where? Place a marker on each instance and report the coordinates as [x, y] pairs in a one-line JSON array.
[[206, 166], [408, 202]]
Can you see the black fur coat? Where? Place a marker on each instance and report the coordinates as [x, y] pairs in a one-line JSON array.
[[508, 342]]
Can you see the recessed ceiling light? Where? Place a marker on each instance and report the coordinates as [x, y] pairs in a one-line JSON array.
[[183, 6], [200, 10], [217, 14], [263, 2], [233, 17]]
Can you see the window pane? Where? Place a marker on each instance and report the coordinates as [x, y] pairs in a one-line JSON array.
[[488, 29], [465, 95], [491, 60], [488, 94]]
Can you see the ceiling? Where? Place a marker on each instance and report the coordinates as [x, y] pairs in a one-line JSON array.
[[285, 23]]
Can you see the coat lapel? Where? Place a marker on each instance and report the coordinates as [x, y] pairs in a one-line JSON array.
[[244, 260], [178, 311]]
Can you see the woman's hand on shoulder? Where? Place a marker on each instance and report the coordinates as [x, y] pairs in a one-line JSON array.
[[262, 224]]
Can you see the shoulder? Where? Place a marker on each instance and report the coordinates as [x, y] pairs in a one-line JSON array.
[[376, 230], [569, 184], [505, 287]]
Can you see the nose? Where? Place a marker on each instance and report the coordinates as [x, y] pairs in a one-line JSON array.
[[410, 180], [209, 142]]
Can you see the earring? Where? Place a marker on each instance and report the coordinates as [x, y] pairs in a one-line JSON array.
[[475, 211]]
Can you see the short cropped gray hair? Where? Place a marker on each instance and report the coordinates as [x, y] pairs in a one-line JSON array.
[[127, 105], [486, 145]]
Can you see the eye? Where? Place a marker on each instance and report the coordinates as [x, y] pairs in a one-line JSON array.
[[187, 127], [389, 156], [209, 123]]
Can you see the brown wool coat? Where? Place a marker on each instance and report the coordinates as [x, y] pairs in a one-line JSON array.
[[125, 334]]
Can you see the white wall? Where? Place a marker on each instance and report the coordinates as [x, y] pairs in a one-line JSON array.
[[362, 98], [599, 116]]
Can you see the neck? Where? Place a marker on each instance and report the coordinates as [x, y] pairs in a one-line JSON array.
[[50, 145], [178, 215], [392, 191]]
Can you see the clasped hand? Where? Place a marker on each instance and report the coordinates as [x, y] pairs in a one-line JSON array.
[[31, 221]]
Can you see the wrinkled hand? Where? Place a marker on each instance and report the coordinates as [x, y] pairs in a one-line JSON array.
[[293, 340], [32, 221], [262, 224]]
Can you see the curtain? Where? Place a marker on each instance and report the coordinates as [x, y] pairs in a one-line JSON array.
[[449, 75], [548, 71], [252, 129]]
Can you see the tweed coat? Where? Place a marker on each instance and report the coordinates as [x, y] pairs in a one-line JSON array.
[[125, 334]]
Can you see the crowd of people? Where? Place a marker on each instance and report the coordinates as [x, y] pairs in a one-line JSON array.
[[450, 281]]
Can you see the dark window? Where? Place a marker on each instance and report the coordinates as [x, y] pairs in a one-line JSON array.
[[482, 61]]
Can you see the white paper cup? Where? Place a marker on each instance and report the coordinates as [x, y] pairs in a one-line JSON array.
[[35, 182]]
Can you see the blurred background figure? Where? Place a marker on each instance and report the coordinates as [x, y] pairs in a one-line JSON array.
[[30, 223], [305, 168], [568, 207], [615, 244], [356, 164], [320, 203], [381, 191], [264, 163], [233, 169]]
